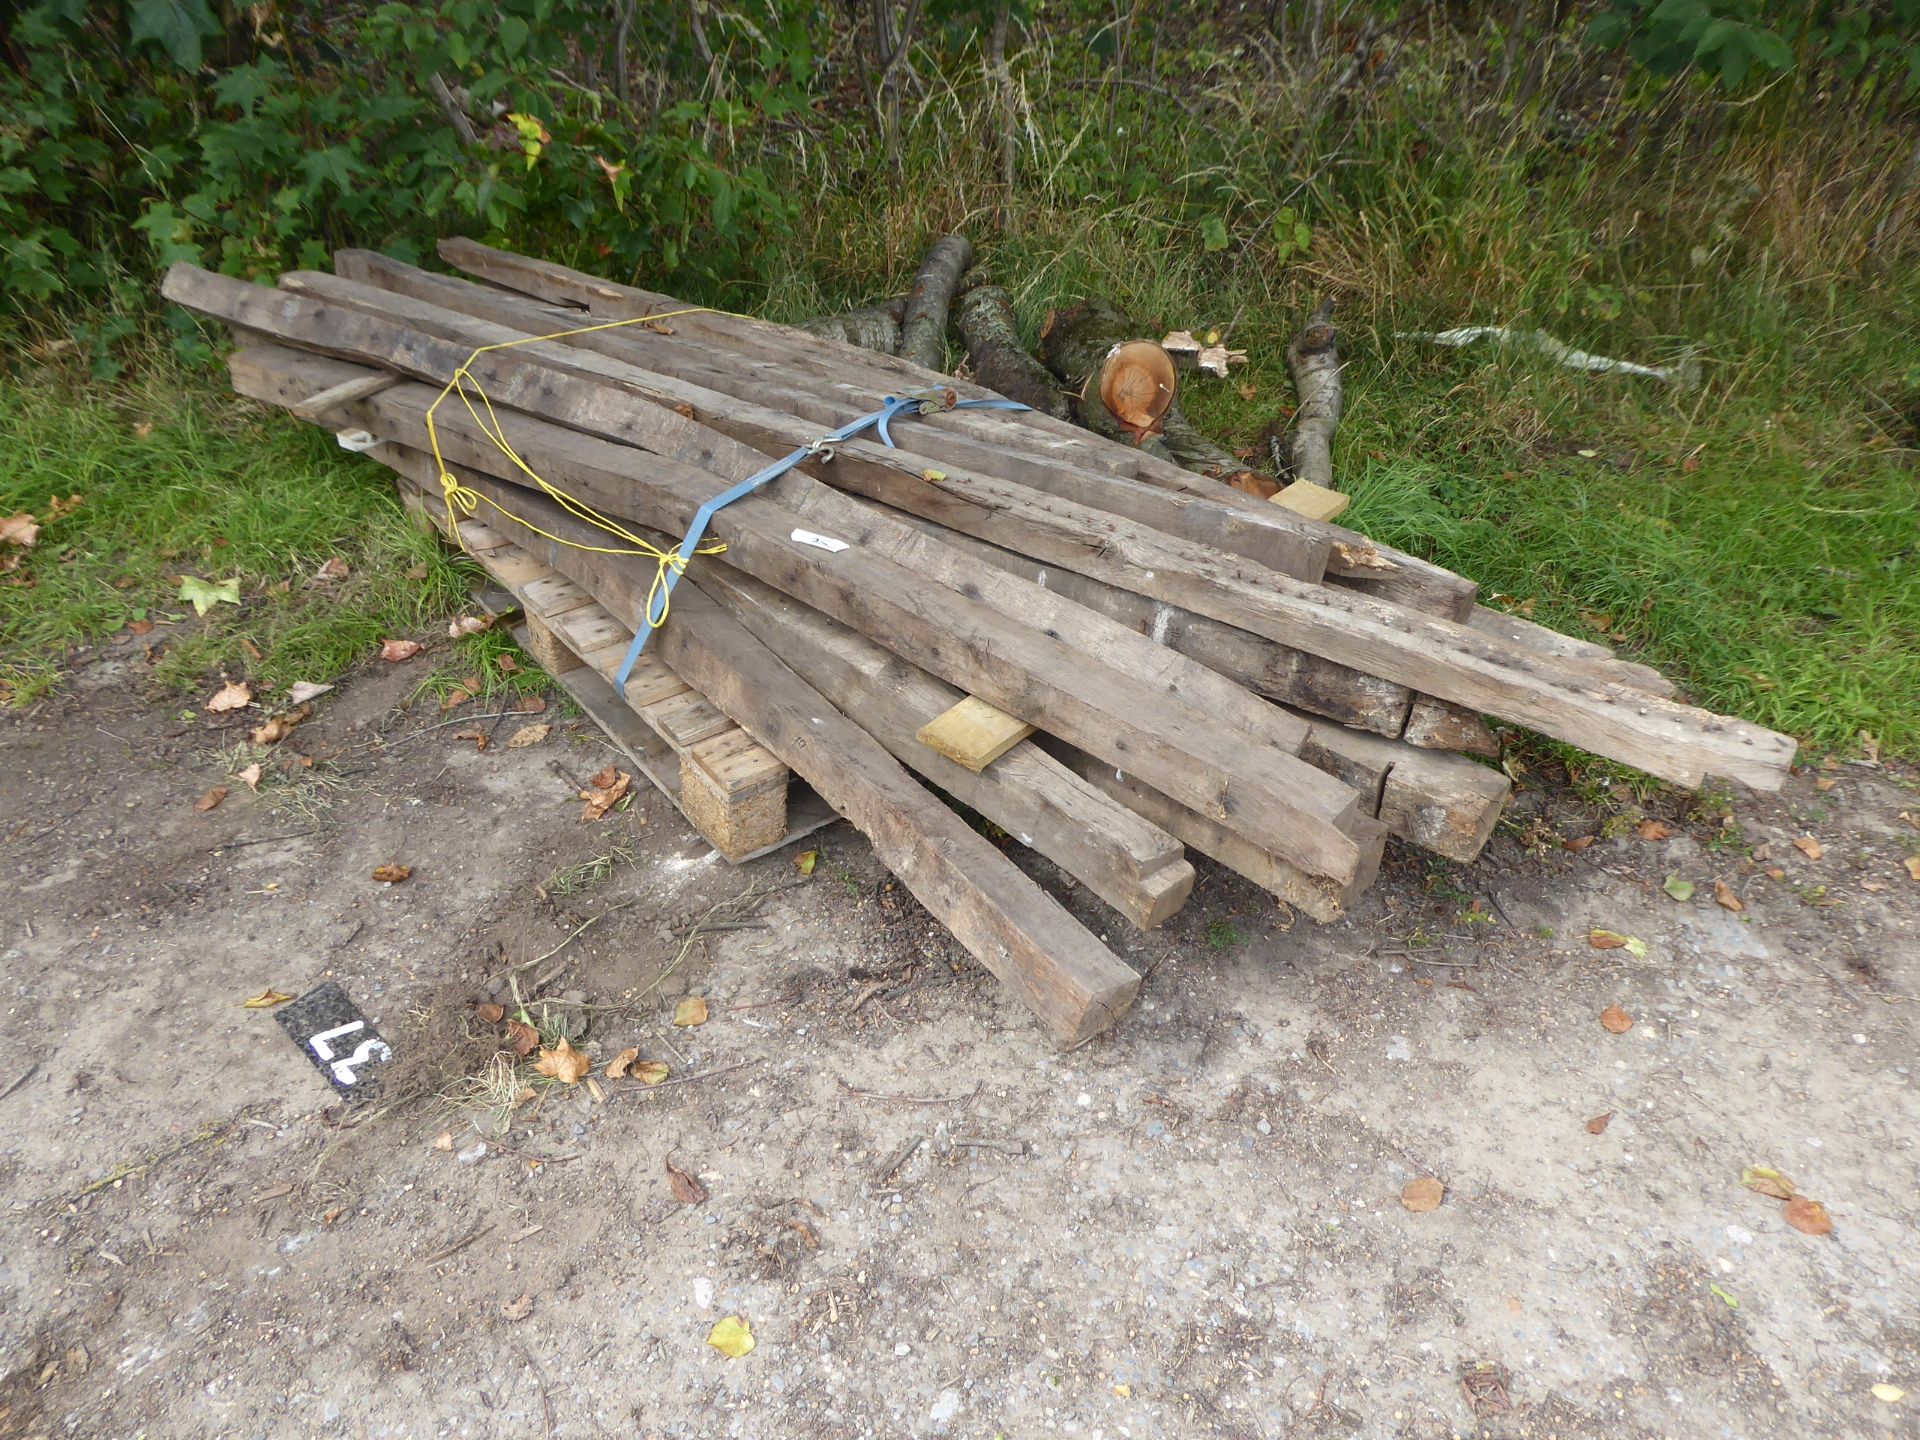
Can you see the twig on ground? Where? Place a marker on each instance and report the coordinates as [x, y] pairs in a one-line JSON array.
[[898, 1158], [572, 935], [457, 1246], [972, 1094], [24, 1076], [646, 1090]]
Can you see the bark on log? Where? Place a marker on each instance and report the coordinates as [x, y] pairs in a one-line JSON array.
[[873, 327], [923, 335], [1000, 362], [1314, 358], [1115, 386]]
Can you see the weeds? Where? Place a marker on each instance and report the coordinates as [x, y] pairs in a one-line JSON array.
[[581, 877]]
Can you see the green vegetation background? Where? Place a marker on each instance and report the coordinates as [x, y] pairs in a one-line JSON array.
[[1729, 185]]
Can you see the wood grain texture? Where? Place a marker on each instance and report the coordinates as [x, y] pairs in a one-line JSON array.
[[972, 733]]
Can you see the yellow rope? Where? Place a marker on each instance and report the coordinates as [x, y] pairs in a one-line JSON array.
[[464, 500]]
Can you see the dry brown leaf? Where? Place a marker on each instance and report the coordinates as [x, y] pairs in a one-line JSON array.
[[488, 1013], [691, 1011], [1764, 1180], [529, 705], [479, 737], [250, 777], [509, 665], [1616, 1020], [1652, 830], [468, 625], [1724, 896], [392, 874], [1423, 1195], [1579, 842], [334, 569], [265, 1000], [456, 697], [622, 1063], [607, 789], [528, 735], [1869, 742], [395, 651], [234, 695], [417, 572], [281, 726], [1606, 939], [650, 1072], [444, 1140], [21, 530], [1809, 847], [1598, 1124], [522, 1038], [687, 1188], [518, 1309], [140, 627], [1913, 866], [563, 1063], [1809, 1217], [302, 691], [211, 800], [1825, 783]]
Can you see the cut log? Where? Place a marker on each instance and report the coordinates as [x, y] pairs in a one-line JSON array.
[[923, 333], [1314, 359], [1313, 896], [1119, 385], [874, 327], [1046, 676], [1132, 865], [999, 360], [972, 734]]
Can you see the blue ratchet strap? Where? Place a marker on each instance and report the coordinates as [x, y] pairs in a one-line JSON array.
[[918, 403]]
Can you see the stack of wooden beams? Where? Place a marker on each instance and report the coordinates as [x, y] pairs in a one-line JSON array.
[[1111, 658]]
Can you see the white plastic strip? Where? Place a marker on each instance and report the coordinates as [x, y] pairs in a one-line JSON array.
[[819, 542]]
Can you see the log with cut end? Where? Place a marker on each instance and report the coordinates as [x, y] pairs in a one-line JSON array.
[[1120, 385], [1000, 362], [872, 327]]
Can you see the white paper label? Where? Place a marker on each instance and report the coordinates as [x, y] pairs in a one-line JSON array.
[[819, 542], [356, 440]]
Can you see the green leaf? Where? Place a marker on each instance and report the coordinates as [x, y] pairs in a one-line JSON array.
[[1213, 233], [203, 595], [176, 26], [1679, 889], [1770, 50]]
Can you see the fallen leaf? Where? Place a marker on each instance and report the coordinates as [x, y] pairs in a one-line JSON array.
[[563, 1063], [1869, 742], [479, 737], [731, 1337], [622, 1063], [933, 477], [140, 627], [1724, 896], [203, 595], [468, 625], [234, 695], [1764, 1180], [488, 1013], [211, 800], [250, 777], [1681, 890], [1730, 1301], [1598, 619], [280, 726], [444, 1141], [456, 697], [605, 791], [302, 691], [650, 1072], [1809, 1217], [1598, 1124], [528, 735], [509, 665], [265, 1000], [1809, 847], [418, 572], [691, 1011], [1422, 1195], [1892, 1394], [327, 1217], [518, 1309], [1825, 783], [806, 860], [1913, 866], [392, 874], [1616, 1020], [395, 651], [1652, 830], [1123, 1390], [529, 705], [21, 530], [1578, 843], [1774, 872], [334, 569], [522, 1038], [687, 1188]]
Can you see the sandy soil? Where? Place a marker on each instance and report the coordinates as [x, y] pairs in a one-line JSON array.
[[934, 1223]]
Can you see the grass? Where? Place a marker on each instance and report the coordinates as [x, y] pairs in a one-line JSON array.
[[176, 479], [1757, 536]]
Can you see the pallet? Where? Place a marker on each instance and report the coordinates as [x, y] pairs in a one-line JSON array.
[[742, 800]]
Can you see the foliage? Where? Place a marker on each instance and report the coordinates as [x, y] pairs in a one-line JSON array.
[[1737, 39]]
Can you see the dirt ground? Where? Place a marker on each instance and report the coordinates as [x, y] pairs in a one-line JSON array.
[[934, 1223]]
